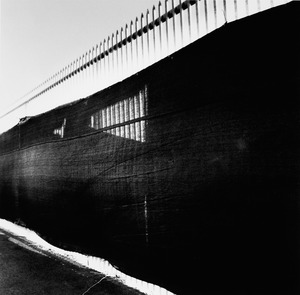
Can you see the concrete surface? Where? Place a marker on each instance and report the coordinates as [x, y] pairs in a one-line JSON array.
[[26, 269]]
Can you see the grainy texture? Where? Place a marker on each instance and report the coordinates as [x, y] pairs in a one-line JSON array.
[[25, 272], [208, 203]]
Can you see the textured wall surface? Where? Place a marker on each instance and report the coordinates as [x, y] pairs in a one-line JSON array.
[[208, 201]]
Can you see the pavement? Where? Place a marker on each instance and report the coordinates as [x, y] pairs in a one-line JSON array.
[[26, 269]]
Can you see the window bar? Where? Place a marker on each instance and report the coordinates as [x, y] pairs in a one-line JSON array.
[[103, 118], [113, 118], [96, 121], [122, 117], [92, 121], [108, 117], [117, 114], [126, 110], [100, 120], [132, 131], [131, 109], [137, 131], [127, 117], [122, 131], [143, 130], [142, 104], [127, 131]]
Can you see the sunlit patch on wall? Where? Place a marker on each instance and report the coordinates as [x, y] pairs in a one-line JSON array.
[[61, 131], [125, 118]]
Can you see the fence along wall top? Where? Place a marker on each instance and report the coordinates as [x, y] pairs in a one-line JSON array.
[[101, 55], [130, 32]]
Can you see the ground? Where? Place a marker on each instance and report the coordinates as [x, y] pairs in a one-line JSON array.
[[26, 270]]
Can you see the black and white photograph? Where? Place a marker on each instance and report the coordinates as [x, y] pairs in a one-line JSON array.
[[149, 147]]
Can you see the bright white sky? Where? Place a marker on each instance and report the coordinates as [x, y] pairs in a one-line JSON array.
[[40, 37]]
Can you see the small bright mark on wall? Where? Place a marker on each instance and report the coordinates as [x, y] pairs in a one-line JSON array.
[[60, 131], [124, 118]]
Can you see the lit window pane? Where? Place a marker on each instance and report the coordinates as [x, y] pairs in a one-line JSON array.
[[100, 120], [117, 113], [143, 131], [122, 134], [112, 112], [132, 131], [137, 106], [108, 117], [103, 118], [132, 108], [127, 131], [127, 116], [138, 131], [96, 121], [122, 119], [142, 103]]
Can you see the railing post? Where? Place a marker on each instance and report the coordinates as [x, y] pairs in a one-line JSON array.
[[100, 67], [159, 31], [171, 25], [154, 34], [118, 65], [166, 29]]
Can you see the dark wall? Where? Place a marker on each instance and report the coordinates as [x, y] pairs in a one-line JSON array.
[[208, 204]]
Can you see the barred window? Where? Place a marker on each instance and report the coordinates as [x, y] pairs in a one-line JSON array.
[[127, 114]]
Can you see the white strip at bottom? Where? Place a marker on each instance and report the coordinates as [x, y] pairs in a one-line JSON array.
[[95, 263], [23, 245]]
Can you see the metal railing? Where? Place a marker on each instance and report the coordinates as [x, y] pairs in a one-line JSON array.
[[161, 31]]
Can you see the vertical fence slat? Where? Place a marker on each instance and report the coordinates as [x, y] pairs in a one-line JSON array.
[[100, 67], [166, 29], [148, 34], [159, 32], [122, 62], [112, 57], [172, 26], [93, 67], [119, 66], [108, 61], [127, 52], [142, 42], [86, 76], [154, 34], [132, 49], [253, 6], [194, 21], [137, 49], [96, 67]]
